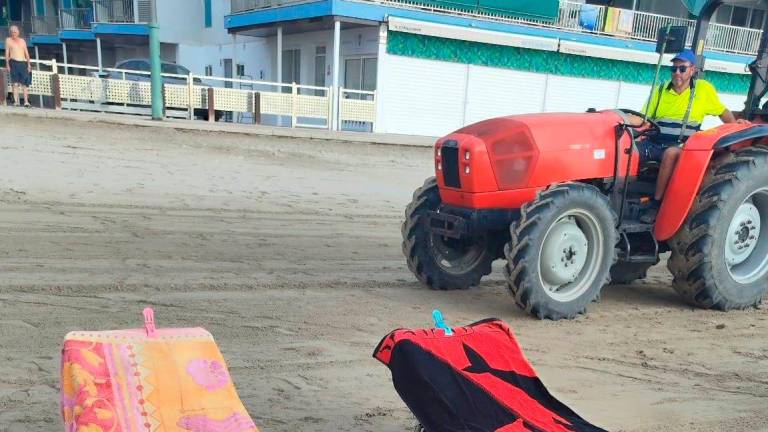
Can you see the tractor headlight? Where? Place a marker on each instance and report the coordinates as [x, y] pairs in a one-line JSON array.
[[439, 151], [466, 155], [466, 169], [439, 166]]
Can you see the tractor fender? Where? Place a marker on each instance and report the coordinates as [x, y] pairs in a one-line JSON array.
[[692, 167]]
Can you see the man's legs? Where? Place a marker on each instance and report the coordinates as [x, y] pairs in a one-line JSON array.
[[668, 163], [15, 93], [26, 96]]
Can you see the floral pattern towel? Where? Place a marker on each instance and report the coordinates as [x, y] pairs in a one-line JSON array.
[[125, 381]]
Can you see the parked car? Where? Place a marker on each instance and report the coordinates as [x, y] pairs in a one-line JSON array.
[[143, 65]]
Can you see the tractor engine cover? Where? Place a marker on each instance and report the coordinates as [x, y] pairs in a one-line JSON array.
[[503, 162]]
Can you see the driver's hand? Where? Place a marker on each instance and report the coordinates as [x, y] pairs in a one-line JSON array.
[[743, 121]]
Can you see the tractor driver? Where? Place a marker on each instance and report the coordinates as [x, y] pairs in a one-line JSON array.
[[678, 107]]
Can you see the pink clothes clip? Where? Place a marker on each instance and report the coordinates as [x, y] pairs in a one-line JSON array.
[[149, 322]]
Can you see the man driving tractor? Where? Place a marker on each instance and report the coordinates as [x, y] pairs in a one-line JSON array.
[[679, 108]]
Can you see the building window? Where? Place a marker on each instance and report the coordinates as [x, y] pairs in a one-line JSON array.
[[208, 14], [240, 70], [320, 66], [40, 7], [291, 66], [209, 70], [740, 16], [756, 20], [360, 73]]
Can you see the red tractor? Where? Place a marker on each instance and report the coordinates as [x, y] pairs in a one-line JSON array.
[[559, 197]]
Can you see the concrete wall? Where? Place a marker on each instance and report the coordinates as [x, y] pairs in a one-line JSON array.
[[182, 20]]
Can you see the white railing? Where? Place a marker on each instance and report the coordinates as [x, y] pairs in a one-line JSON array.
[[76, 18], [248, 5], [192, 96], [586, 18], [114, 11], [45, 25]]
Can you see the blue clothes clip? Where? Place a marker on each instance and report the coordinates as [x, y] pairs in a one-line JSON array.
[[440, 322]]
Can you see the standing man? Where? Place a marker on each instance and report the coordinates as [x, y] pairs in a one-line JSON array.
[[679, 108], [19, 65]]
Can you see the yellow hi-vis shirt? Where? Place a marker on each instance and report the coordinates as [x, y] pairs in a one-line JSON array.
[[669, 111]]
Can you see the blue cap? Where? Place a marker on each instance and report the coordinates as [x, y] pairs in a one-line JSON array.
[[686, 55]]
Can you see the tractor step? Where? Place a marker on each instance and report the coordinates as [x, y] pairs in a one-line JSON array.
[[636, 227], [637, 244]]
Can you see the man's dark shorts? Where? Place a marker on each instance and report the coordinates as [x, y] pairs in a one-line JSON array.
[[20, 73], [651, 151]]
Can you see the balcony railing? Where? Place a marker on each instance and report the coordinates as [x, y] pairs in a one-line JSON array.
[[114, 11], [76, 18], [576, 17], [248, 5], [45, 25]]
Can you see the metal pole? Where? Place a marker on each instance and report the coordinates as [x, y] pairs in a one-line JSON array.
[[98, 54], [279, 65], [37, 59], [66, 58], [279, 77], [154, 56]]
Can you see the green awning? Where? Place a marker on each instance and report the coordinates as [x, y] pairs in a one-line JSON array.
[[543, 10], [694, 5]]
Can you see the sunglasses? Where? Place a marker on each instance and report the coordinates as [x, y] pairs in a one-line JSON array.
[[681, 69]]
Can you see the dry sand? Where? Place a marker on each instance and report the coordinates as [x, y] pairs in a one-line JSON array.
[[289, 252]]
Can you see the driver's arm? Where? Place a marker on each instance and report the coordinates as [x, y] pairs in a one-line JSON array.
[[633, 120], [727, 116]]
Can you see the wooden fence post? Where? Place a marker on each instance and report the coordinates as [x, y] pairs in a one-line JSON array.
[[56, 90], [211, 106], [3, 88], [257, 108]]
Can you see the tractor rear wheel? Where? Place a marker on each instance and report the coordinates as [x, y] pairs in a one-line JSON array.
[[439, 262], [561, 251], [720, 255]]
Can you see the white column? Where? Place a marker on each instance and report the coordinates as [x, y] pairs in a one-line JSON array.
[[66, 58], [234, 56], [381, 63], [37, 58], [336, 67], [279, 77], [136, 11], [98, 52]]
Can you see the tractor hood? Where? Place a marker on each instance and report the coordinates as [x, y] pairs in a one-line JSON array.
[[528, 151]]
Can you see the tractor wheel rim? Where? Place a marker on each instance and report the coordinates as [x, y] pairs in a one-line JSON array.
[[570, 255], [746, 242], [455, 256]]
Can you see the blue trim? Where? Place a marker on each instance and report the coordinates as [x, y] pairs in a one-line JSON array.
[[45, 40], [67, 4], [378, 13], [76, 35], [208, 13], [121, 29]]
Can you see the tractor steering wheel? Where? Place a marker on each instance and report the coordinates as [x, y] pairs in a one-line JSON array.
[[653, 130]]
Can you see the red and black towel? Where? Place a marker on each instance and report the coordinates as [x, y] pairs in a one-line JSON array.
[[476, 380]]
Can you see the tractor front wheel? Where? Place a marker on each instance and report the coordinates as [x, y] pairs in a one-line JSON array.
[[561, 251], [439, 262], [720, 256]]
